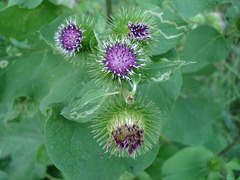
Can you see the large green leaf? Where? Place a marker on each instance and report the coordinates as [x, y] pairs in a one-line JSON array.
[[20, 22], [19, 143], [165, 152], [73, 150], [190, 8], [22, 78], [37, 77], [191, 120], [25, 3], [163, 94], [24, 74], [187, 8], [171, 28], [65, 80], [205, 45], [45, 77], [187, 164]]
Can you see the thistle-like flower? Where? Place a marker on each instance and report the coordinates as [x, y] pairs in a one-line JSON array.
[[136, 24], [73, 38], [127, 130], [118, 60], [69, 38]]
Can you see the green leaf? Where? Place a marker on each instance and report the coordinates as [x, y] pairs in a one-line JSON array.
[[161, 71], [126, 176], [165, 152], [205, 45], [163, 94], [230, 175], [23, 107], [64, 80], [30, 82], [42, 156], [194, 113], [45, 77], [233, 18], [25, 3], [171, 28], [83, 158], [234, 164], [100, 26], [81, 108], [189, 163], [21, 23], [186, 7], [68, 3], [3, 175], [155, 2], [142, 176], [90, 97], [214, 176], [172, 55], [3, 5], [233, 11], [19, 143]]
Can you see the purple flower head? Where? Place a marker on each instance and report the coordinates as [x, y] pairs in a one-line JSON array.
[[139, 31], [126, 137], [69, 38], [120, 58]]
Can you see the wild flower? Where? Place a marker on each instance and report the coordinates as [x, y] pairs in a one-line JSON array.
[[127, 129], [73, 38], [117, 61]]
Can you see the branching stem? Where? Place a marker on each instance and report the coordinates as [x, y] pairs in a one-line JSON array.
[[237, 140]]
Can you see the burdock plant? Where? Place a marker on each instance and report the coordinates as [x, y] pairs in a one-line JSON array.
[[127, 129], [123, 126]]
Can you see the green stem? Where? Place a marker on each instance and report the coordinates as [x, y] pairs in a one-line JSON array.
[[127, 95], [165, 139], [49, 176], [108, 7]]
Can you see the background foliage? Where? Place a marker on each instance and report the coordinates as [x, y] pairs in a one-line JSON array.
[[199, 102]]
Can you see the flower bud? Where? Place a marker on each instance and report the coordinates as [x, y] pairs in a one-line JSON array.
[[127, 130], [136, 24], [215, 164]]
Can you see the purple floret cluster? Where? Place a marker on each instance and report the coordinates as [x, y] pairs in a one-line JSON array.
[[121, 59], [139, 31], [127, 137], [71, 38]]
